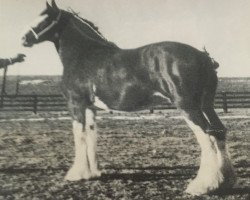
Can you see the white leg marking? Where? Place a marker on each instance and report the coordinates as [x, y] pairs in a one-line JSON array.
[[91, 130], [100, 104], [224, 162], [215, 165], [80, 167]]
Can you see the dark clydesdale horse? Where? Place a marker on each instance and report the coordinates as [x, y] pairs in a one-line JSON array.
[[97, 73]]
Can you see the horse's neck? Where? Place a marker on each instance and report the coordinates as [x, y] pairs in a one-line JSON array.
[[75, 38], [75, 48], [87, 31]]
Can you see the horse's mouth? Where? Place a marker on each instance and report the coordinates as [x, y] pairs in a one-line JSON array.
[[27, 44]]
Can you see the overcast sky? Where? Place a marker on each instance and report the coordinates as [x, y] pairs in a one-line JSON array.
[[223, 26]]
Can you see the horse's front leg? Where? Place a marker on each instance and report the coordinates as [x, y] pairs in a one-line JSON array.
[[80, 168], [85, 136], [91, 130]]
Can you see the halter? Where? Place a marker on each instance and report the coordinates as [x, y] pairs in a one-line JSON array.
[[53, 23]]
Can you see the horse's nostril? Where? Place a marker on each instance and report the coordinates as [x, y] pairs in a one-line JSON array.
[[24, 41]]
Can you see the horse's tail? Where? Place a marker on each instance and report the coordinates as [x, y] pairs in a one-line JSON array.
[[214, 64], [211, 81]]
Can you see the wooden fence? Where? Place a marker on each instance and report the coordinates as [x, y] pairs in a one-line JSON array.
[[39, 103], [223, 100], [226, 100], [33, 103]]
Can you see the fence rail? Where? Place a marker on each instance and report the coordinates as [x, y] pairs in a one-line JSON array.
[[224, 100], [37, 103], [33, 103]]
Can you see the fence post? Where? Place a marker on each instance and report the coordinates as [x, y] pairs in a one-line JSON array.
[[35, 104], [17, 87], [3, 85], [2, 100], [224, 98]]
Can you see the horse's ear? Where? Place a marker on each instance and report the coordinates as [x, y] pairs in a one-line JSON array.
[[48, 5], [54, 6]]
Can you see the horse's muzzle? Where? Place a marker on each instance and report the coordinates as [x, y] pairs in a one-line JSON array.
[[25, 42]]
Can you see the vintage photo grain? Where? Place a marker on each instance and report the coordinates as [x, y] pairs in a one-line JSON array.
[[125, 99]]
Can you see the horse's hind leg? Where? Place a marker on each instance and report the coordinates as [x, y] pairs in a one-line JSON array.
[[208, 177], [215, 172], [208, 106], [217, 133]]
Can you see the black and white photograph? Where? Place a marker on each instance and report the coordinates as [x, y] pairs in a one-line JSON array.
[[125, 99]]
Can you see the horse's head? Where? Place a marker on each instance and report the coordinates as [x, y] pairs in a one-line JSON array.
[[45, 28], [51, 23]]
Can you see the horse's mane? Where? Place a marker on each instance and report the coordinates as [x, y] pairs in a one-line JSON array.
[[91, 24]]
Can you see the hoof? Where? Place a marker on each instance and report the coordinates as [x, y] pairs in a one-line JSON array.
[[198, 188], [205, 183], [76, 174], [96, 173], [201, 186]]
